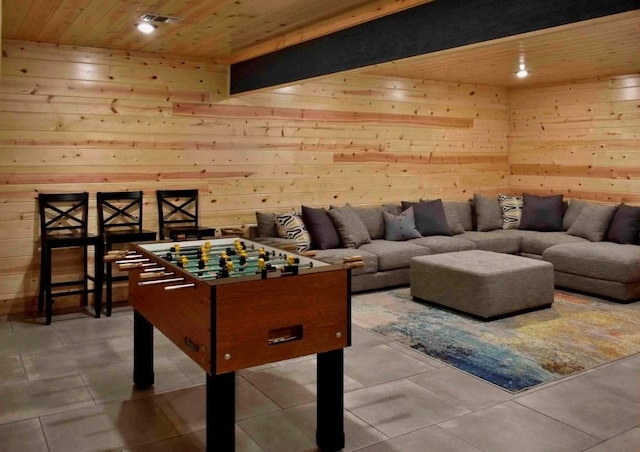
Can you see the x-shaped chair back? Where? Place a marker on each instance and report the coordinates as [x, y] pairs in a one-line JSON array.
[[64, 214], [177, 208], [119, 211]]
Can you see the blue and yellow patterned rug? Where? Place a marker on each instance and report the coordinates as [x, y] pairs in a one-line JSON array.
[[578, 332]]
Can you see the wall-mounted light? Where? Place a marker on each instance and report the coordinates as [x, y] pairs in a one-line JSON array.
[[146, 27], [522, 71]]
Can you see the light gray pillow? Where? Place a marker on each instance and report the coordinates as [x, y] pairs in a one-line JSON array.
[[488, 213], [574, 209], [372, 219], [592, 222], [453, 219], [463, 209], [351, 229], [400, 227], [267, 226]]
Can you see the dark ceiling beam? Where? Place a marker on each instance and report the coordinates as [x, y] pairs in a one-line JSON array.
[[430, 27]]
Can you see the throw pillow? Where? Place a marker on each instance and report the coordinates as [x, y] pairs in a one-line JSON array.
[[372, 219], [542, 213], [453, 219], [511, 207], [294, 229], [573, 210], [322, 230], [400, 227], [351, 229], [267, 226], [625, 226], [430, 218], [488, 213], [592, 222]]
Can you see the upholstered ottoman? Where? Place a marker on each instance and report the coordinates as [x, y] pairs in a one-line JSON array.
[[482, 283]]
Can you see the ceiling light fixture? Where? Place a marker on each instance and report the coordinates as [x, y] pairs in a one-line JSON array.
[[522, 72], [146, 27]]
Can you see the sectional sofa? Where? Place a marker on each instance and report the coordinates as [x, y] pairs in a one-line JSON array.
[[594, 248]]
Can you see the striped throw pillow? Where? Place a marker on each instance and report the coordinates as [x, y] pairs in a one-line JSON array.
[[511, 207], [294, 229]]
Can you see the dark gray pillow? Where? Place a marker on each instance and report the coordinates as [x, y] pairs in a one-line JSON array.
[[267, 226], [323, 232], [430, 218], [592, 222], [351, 229], [625, 226], [542, 213], [488, 213], [400, 227]]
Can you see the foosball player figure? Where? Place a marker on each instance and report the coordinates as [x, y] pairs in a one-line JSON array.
[[243, 260], [223, 260], [291, 267], [204, 260], [262, 254], [182, 263]]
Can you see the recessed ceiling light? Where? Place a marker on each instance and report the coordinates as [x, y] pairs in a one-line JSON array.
[[146, 27]]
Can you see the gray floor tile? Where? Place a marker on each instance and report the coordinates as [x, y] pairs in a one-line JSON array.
[[108, 426], [380, 364], [22, 436], [11, 369], [462, 388], [28, 340], [83, 330], [625, 442], [38, 398], [588, 407], [511, 427], [185, 408], [400, 406], [620, 378], [431, 438], [288, 385]]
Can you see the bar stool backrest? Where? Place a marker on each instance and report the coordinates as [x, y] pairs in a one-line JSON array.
[[119, 211], [63, 214], [177, 208]]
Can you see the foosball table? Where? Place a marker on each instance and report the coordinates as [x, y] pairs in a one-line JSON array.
[[232, 303]]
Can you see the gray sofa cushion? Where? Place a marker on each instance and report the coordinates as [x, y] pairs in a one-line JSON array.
[[592, 222], [321, 228], [352, 230], [336, 256], [372, 219], [537, 242], [625, 225], [454, 211], [392, 255], [601, 260], [400, 227], [444, 244], [496, 241], [573, 210], [488, 213], [266, 224]]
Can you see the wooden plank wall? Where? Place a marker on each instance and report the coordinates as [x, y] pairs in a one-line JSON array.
[[97, 120], [582, 140]]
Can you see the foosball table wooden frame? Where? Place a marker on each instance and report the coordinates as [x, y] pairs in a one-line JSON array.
[[232, 323]]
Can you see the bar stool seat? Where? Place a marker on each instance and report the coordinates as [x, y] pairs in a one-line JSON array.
[[178, 215], [63, 224], [119, 223]]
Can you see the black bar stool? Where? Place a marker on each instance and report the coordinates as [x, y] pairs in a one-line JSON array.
[[178, 215], [119, 222], [63, 224]]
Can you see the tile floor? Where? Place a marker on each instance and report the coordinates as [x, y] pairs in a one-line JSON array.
[[68, 387]]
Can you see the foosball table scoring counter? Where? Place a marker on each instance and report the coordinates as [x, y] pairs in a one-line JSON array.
[[230, 304]]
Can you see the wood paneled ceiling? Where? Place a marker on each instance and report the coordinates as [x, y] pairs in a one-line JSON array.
[[230, 31]]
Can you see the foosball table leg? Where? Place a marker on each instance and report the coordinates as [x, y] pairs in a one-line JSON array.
[[143, 375], [221, 412], [330, 401]]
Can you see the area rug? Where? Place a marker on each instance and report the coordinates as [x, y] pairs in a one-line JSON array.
[[516, 353]]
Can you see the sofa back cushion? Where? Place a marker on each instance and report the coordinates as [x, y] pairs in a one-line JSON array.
[[350, 227], [625, 226], [487, 212], [542, 213], [372, 219], [592, 222], [323, 232], [400, 227]]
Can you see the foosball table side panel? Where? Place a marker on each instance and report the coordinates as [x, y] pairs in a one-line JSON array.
[[259, 322], [183, 315]]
